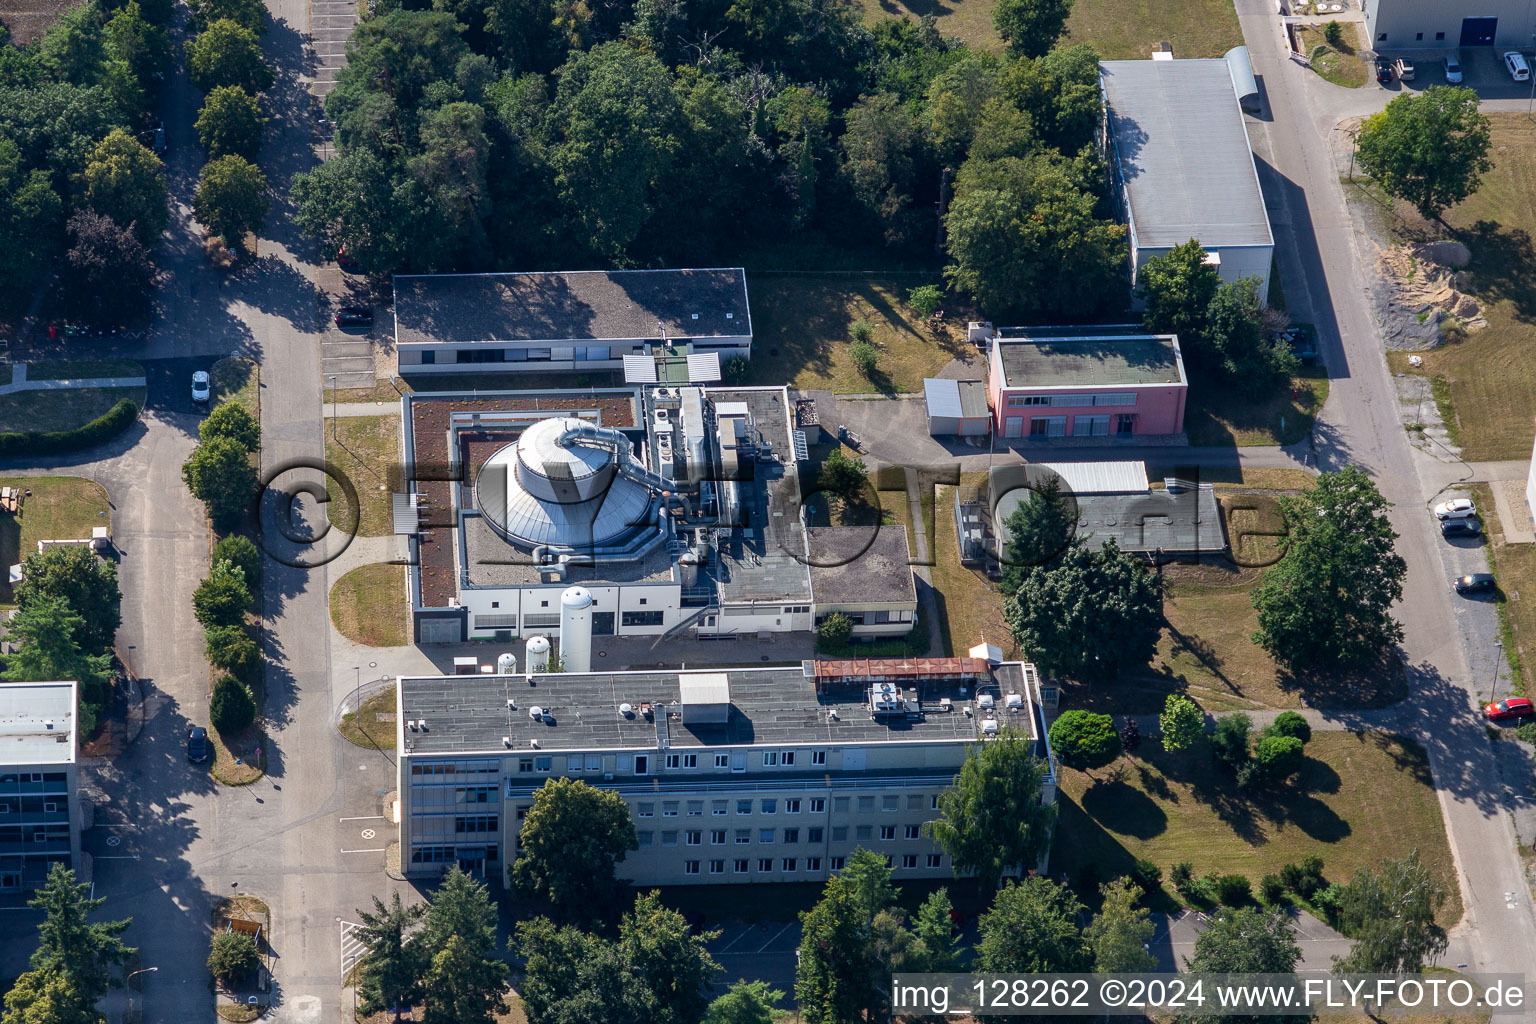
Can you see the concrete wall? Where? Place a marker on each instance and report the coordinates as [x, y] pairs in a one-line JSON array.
[[519, 603], [1410, 24]]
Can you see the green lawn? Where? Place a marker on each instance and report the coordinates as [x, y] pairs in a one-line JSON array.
[[59, 508], [1132, 29], [801, 333], [970, 608], [1221, 416], [60, 410], [1360, 798], [62, 369], [365, 728], [970, 21], [365, 448], [237, 379], [1489, 376], [1339, 64], [368, 606]]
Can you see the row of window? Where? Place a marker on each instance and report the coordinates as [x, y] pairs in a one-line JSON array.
[[1381, 37], [789, 836], [594, 762], [742, 865], [33, 805], [1120, 399], [446, 854], [580, 353], [1082, 425], [457, 768], [792, 805], [438, 823]]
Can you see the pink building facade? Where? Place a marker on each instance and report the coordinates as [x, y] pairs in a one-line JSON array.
[[1057, 383]]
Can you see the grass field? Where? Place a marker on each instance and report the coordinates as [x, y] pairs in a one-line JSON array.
[[1131, 29], [63, 369], [1339, 64], [970, 608], [237, 379], [364, 728], [800, 333], [1489, 375], [59, 508], [969, 21], [368, 605], [1359, 798], [60, 410], [240, 747], [1221, 416], [364, 448]]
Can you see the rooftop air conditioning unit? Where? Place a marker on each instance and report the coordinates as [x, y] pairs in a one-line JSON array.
[[985, 700], [1014, 701], [989, 727], [536, 713]]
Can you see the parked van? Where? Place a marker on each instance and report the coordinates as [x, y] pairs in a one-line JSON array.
[[1514, 63]]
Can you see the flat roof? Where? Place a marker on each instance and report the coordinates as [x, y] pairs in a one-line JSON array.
[[1183, 153], [583, 305], [956, 399], [1099, 477], [861, 565], [37, 723], [769, 705], [1173, 522], [1090, 360]]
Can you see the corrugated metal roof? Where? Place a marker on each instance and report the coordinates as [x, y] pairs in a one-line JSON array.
[[1100, 477], [403, 511], [703, 367], [1183, 153], [639, 370], [955, 399]]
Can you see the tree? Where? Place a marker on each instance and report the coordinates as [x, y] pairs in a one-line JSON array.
[[222, 598], [1031, 27], [934, 927], [746, 1002], [1246, 940], [109, 274], [870, 882], [1038, 530], [1333, 31], [1241, 348], [1289, 723], [462, 987], [1329, 598], [1390, 913], [572, 838], [1025, 238], [1120, 931], [1083, 740], [1178, 289], [250, 14], [671, 965], [220, 475], [142, 47], [1230, 741], [993, 818], [232, 956], [239, 551], [389, 971], [230, 123], [834, 632], [231, 198], [31, 214], [1429, 150], [231, 420], [73, 49], [227, 53], [232, 707], [48, 634], [69, 944], [1276, 758], [86, 581], [843, 476], [48, 997], [926, 299], [1031, 928], [1089, 615], [125, 181], [1181, 723], [232, 649], [834, 979], [866, 357], [882, 150]]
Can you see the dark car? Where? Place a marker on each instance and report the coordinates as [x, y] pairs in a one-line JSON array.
[[1383, 71], [197, 744], [1474, 582], [1511, 707], [1461, 528], [354, 316]]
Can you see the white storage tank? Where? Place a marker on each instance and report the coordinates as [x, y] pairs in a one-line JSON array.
[[506, 664], [536, 656], [576, 629], [688, 564]]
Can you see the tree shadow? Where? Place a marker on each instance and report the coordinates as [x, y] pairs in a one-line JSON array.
[[1125, 810], [1503, 265]]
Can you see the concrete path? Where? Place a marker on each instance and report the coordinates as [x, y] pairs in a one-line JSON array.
[[19, 382], [344, 409]]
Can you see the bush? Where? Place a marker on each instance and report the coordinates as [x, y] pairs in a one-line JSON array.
[[1084, 740], [1526, 731], [1333, 32], [1309, 877], [1130, 735], [1182, 872], [105, 427], [242, 554], [926, 299], [222, 598], [1230, 741], [1290, 877], [1272, 890], [231, 649], [866, 357], [232, 707], [232, 956], [1327, 901], [1233, 890], [862, 332], [1289, 723], [1277, 758], [1147, 875], [834, 630]]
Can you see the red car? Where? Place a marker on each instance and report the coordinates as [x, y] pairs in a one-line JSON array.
[[1511, 707]]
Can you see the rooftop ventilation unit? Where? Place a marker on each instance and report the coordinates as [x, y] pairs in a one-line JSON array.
[[989, 727], [1015, 701], [506, 741], [985, 700], [627, 710], [536, 713]]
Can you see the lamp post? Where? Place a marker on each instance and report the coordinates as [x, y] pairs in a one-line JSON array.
[[127, 982], [1498, 661], [332, 379]]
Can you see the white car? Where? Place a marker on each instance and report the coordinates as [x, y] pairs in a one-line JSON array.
[[1453, 70], [201, 388], [1514, 63], [1456, 508]]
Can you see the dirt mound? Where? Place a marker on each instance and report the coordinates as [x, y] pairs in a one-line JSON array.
[[1429, 283]]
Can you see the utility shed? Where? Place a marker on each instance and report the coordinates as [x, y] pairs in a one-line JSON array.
[[956, 408], [1182, 161]]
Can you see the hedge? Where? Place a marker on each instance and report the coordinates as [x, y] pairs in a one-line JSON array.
[[105, 427]]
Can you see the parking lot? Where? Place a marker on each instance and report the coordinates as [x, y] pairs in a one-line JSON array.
[[1482, 69], [331, 23]]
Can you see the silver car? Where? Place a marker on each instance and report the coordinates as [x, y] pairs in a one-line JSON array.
[[201, 387], [1452, 70]]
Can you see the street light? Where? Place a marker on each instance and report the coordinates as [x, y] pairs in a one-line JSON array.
[[333, 406], [1498, 662], [127, 983]]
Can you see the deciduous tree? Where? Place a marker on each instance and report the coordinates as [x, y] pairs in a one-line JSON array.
[[992, 819], [219, 473], [47, 632], [232, 956], [250, 14], [1084, 740], [231, 198], [835, 978], [1429, 150], [573, 837], [239, 551], [870, 881], [230, 123], [232, 649], [1031, 27], [1329, 599], [1120, 931], [1246, 940], [222, 598], [1181, 723], [82, 578], [1032, 928], [227, 53], [1390, 913], [1178, 289], [746, 1002], [231, 420], [109, 272], [934, 926]]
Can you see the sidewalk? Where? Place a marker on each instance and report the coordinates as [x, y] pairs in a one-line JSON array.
[[19, 382]]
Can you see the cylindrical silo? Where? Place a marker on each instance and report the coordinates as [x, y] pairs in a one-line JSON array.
[[536, 656], [506, 665], [576, 629], [688, 565]]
